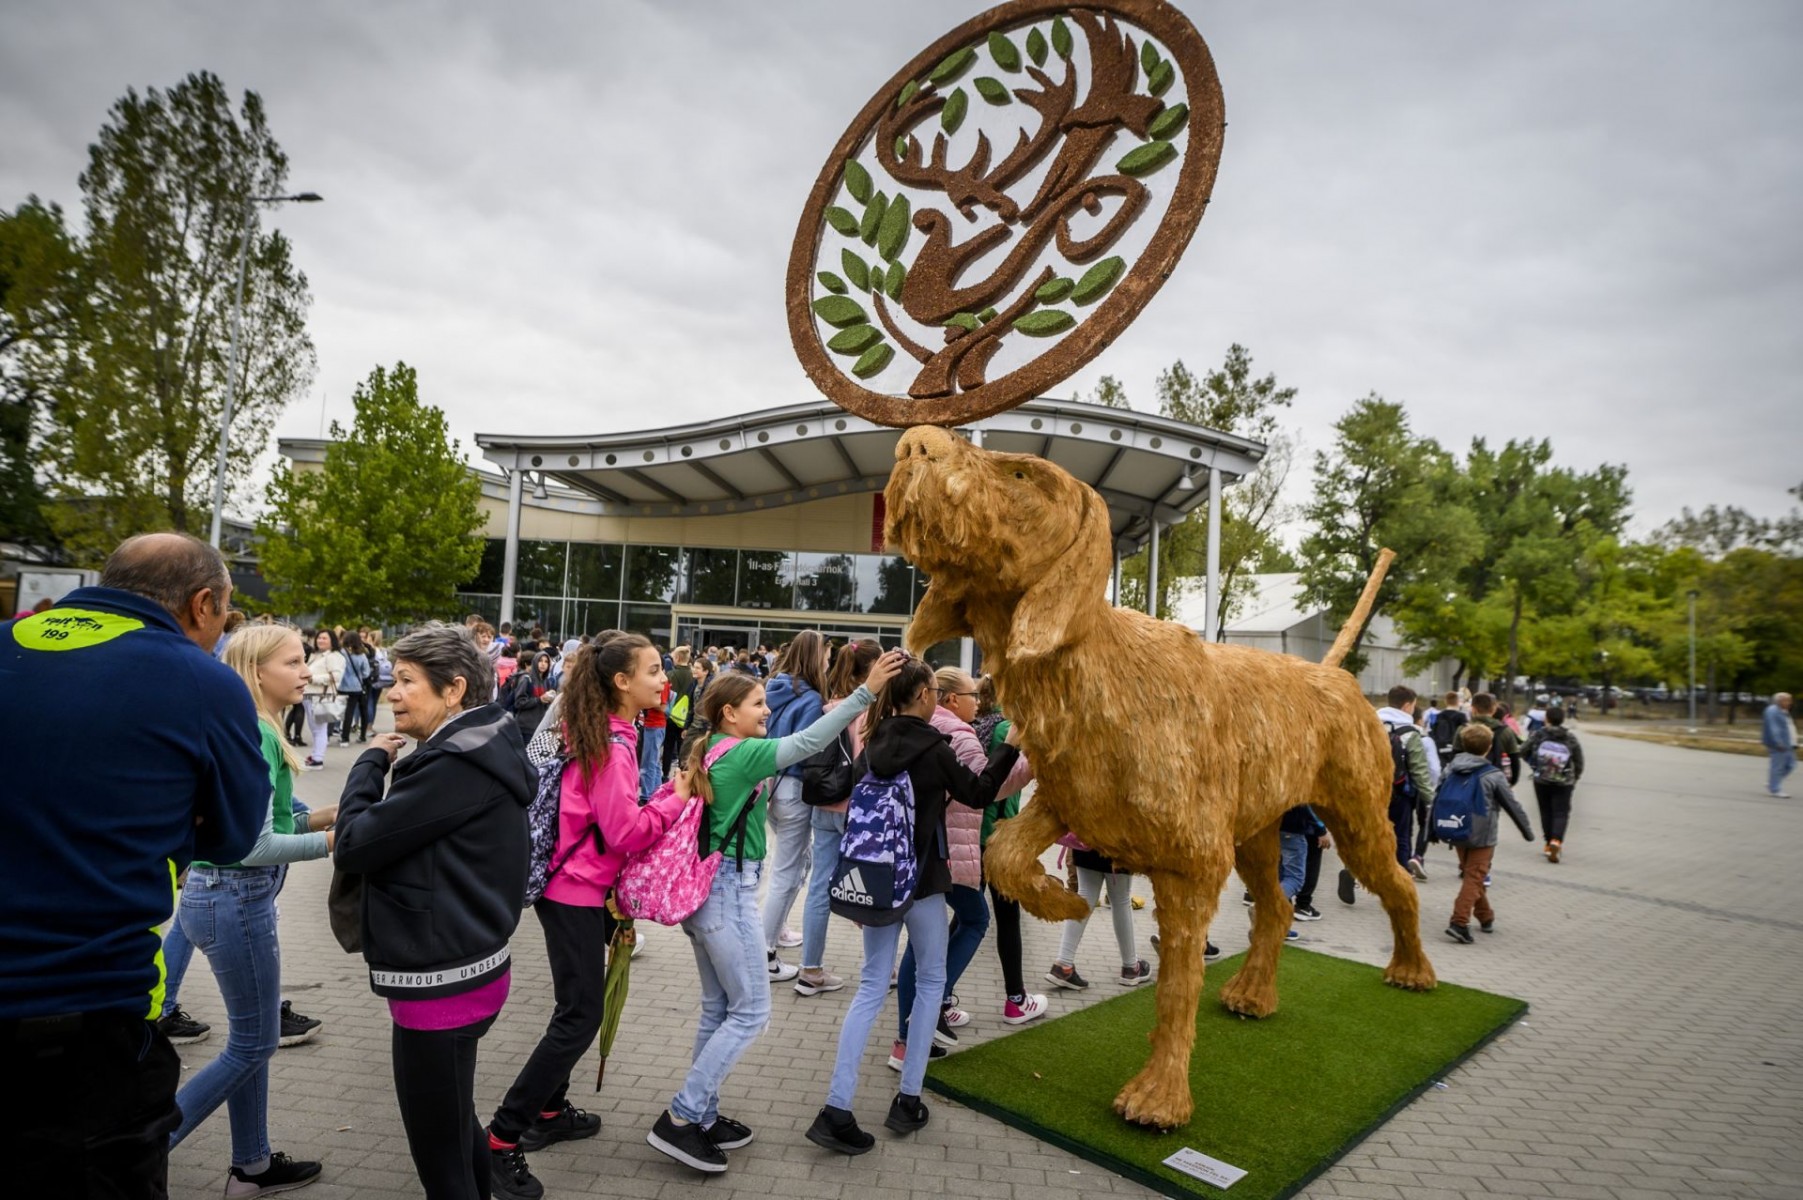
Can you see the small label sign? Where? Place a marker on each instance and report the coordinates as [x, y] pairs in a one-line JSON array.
[[1208, 1170]]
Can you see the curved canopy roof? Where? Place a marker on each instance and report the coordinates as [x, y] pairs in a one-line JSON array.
[[1145, 467]]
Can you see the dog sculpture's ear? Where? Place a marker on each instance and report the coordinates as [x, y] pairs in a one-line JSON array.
[[1045, 619]]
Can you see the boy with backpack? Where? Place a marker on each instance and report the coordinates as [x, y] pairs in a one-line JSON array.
[[1557, 760], [1505, 746], [1465, 815], [1411, 779]]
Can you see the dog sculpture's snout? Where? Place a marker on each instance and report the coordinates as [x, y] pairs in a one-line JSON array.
[[927, 442]]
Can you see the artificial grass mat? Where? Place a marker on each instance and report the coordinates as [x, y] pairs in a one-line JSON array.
[[1281, 1098]]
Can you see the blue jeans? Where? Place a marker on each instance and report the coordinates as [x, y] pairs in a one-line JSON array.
[[178, 951], [735, 986], [1783, 763], [970, 921], [829, 830], [787, 856], [1295, 864], [651, 761], [925, 923], [229, 915]]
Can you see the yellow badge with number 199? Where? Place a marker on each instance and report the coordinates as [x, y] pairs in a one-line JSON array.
[[71, 629]]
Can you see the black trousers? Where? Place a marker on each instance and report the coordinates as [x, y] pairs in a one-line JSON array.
[[1402, 819], [296, 723], [88, 1106], [1555, 809], [1007, 941], [576, 944], [435, 1082], [1311, 875]]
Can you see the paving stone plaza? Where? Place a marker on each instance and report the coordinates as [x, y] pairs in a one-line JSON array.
[[1662, 1056]]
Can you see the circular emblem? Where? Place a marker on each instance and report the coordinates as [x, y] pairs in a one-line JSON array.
[[1003, 208]]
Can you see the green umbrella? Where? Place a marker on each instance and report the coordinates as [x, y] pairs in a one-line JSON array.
[[619, 975]]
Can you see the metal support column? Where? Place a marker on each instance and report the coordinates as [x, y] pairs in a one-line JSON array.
[[1213, 607], [1152, 574], [510, 562], [1115, 597]]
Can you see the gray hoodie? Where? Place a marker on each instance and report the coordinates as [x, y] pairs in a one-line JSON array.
[[1496, 793]]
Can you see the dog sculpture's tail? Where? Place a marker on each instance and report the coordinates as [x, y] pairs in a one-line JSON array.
[[1350, 630]]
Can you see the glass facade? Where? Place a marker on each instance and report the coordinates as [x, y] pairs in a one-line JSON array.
[[570, 588]]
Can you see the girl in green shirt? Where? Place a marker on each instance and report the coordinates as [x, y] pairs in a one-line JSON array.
[[726, 931]]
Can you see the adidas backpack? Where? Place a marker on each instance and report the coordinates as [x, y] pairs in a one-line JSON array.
[[874, 881], [1459, 803]]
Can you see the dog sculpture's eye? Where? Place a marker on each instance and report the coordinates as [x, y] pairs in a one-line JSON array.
[[1020, 474]]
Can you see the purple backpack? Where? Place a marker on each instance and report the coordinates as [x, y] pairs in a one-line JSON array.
[[668, 881]]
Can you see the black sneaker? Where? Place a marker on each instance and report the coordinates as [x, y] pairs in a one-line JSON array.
[[282, 1174], [569, 1125], [687, 1144], [906, 1114], [1307, 912], [1488, 926], [728, 1134], [296, 1028], [836, 1129], [943, 1034], [1062, 976], [1345, 886], [509, 1177], [1210, 952], [1247, 900], [1460, 933], [181, 1029]]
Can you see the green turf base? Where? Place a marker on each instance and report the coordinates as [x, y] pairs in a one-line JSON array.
[[1281, 1098]]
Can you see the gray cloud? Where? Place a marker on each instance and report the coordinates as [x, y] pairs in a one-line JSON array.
[[1528, 220]]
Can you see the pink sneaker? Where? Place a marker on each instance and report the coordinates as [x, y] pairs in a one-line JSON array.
[[1019, 1014]]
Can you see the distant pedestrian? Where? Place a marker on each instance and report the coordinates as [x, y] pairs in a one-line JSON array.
[[1557, 760], [1412, 784], [1446, 725], [1505, 746], [1779, 736], [1473, 770]]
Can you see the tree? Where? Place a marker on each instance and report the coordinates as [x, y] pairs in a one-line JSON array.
[[388, 528], [1109, 394], [136, 384], [1231, 400], [1381, 486], [39, 272]]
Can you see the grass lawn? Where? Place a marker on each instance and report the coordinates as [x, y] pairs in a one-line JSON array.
[[1280, 1098]]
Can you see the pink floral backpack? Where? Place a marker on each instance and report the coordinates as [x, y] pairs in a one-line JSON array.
[[667, 882]]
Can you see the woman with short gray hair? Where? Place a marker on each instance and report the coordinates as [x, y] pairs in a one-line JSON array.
[[443, 858]]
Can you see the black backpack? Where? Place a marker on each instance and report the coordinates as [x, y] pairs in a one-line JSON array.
[[826, 777], [1400, 782], [1446, 732]]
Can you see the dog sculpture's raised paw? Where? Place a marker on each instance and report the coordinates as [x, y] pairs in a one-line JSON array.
[[1157, 1099], [1052, 901]]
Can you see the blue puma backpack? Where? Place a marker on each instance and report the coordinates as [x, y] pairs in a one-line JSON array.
[[874, 882], [1459, 803]]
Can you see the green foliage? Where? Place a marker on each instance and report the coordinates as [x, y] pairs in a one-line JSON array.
[[1169, 120], [1003, 52], [1062, 41], [893, 280], [856, 270], [388, 528], [872, 219], [40, 273], [1109, 393], [956, 105], [857, 181], [1054, 290], [832, 283], [842, 221], [839, 311], [992, 90], [1382, 486], [892, 237], [1036, 47], [132, 387], [952, 65], [1160, 78], [1046, 322], [873, 360], [1146, 158], [855, 340], [1097, 280]]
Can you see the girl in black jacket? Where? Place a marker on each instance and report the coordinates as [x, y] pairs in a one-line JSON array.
[[899, 740], [443, 858]]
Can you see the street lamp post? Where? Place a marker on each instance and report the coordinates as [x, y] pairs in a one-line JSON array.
[[231, 370], [1693, 660]]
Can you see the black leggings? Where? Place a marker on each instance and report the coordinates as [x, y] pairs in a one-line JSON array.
[[435, 1082], [1007, 941], [1555, 809], [353, 716], [1311, 875], [576, 940]]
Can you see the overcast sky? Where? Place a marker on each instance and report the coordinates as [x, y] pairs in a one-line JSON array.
[[1539, 219]]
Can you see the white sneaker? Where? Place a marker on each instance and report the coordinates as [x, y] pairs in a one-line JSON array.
[[1019, 1014], [955, 1017], [780, 971], [788, 939], [812, 983]]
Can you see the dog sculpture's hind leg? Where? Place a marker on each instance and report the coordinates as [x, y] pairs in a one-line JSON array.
[[1367, 846], [1011, 861], [1253, 991], [1159, 1095]]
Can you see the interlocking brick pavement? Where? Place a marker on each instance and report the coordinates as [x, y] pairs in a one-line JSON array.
[[1663, 1055]]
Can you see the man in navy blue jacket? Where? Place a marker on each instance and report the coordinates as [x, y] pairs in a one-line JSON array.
[[126, 752]]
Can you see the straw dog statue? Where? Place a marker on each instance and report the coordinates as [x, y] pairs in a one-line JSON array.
[[1172, 756]]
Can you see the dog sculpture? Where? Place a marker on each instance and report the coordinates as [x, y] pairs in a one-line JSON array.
[[1172, 756]]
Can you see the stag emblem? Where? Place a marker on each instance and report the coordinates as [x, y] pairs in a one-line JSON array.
[[980, 231]]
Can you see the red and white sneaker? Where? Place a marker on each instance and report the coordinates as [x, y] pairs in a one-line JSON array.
[[1019, 1014], [955, 1017]]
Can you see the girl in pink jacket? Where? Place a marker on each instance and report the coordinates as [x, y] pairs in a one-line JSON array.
[[964, 836], [600, 823]]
